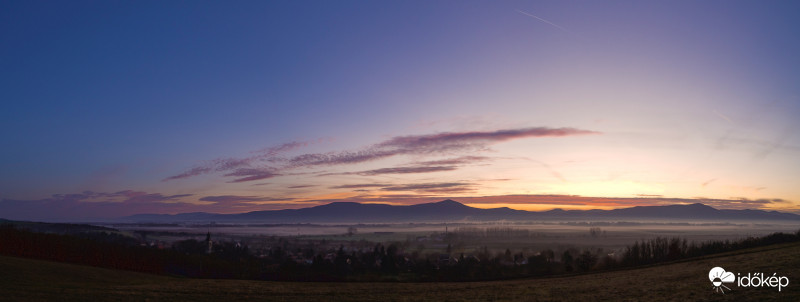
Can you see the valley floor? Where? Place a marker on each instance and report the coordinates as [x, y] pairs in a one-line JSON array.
[[35, 280]]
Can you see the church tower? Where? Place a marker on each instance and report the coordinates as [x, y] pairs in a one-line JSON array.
[[208, 241]]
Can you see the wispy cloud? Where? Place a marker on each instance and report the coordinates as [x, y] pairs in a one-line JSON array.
[[228, 199], [90, 204], [239, 164], [453, 141], [274, 151], [360, 186], [248, 169], [191, 172], [420, 188], [142, 197], [300, 186], [251, 174], [455, 161], [98, 205], [127, 196], [407, 170], [432, 166], [442, 187]]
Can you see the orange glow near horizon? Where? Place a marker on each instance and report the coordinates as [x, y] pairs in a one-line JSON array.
[[539, 207]]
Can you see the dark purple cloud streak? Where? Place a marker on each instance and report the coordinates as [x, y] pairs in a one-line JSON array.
[[455, 161], [405, 170], [432, 144], [229, 199], [248, 169], [466, 140], [360, 186], [92, 206], [88, 205], [239, 164], [192, 172], [420, 167], [442, 187], [250, 174]]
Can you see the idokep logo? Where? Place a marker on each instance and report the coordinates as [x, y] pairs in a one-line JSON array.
[[718, 277]]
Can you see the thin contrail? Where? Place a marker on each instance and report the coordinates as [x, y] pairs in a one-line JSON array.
[[724, 117], [550, 169], [543, 20]]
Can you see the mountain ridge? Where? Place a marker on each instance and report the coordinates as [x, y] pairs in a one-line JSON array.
[[451, 210]]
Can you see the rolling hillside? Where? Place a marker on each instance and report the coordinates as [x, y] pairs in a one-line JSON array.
[[33, 280]]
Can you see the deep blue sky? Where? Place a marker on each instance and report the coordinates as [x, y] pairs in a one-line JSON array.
[[684, 99]]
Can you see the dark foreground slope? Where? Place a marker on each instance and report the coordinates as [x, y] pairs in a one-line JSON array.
[[34, 280]]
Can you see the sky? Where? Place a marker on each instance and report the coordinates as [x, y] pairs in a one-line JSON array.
[[113, 108]]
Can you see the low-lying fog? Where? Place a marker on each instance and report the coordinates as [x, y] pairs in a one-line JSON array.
[[609, 235]]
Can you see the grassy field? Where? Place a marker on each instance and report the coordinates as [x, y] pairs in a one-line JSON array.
[[34, 280]]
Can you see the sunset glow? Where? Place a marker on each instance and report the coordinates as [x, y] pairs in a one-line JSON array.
[[125, 108]]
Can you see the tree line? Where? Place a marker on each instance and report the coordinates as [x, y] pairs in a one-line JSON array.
[[662, 249], [389, 262]]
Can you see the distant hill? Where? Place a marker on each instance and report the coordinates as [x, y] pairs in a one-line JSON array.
[[57, 228], [450, 210]]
